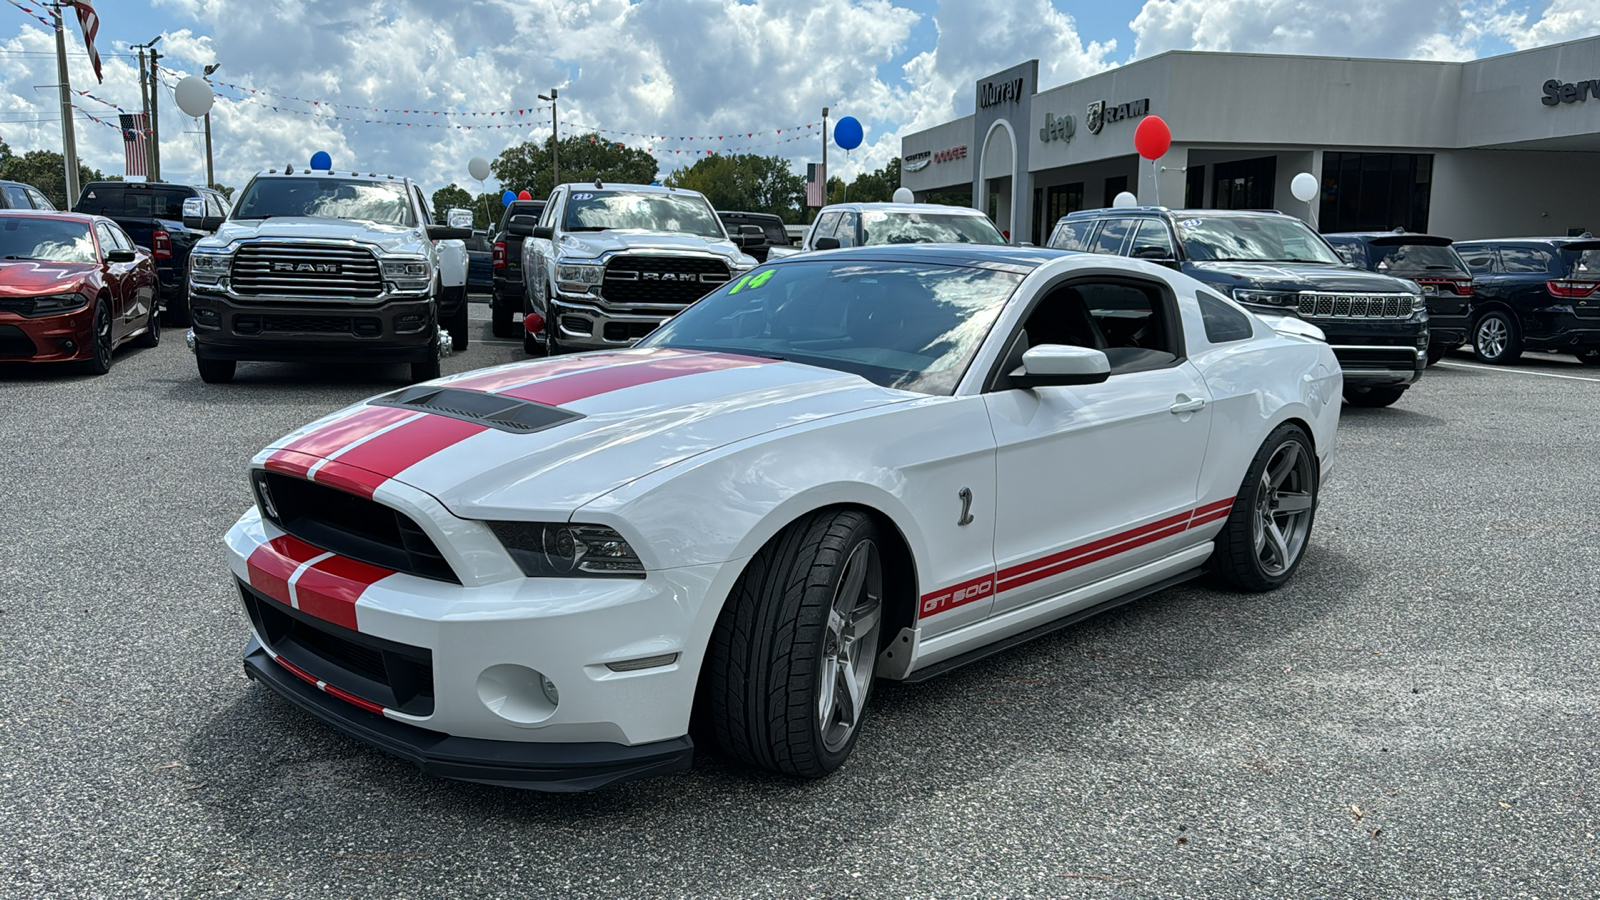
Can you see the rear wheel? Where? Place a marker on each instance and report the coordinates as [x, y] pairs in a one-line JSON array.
[[1266, 534], [791, 663], [100, 343], [1496, 339], [216, 371], [1436, 352], [499, 318], [1381, 395], [1589, 357]]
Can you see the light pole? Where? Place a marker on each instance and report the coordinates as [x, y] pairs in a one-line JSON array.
[[69, 143], [555, 138], [211, 176], [151, 108]]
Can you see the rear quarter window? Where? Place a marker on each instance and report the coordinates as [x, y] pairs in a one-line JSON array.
[[1479, 260], [1072, 235], [1525, 260], [1222, 322]]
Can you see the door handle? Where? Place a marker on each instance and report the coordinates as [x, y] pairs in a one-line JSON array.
[[1185, 405]]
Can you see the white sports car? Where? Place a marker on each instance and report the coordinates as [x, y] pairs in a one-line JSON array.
[[871, 463]]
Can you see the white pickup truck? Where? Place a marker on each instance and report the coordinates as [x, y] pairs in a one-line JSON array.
[[321, 267], [607, 263]]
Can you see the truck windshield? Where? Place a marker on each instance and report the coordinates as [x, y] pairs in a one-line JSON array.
[[1264, 238], [53, 240], [134, 201], [879, 227], [672, 213], [325, 198]]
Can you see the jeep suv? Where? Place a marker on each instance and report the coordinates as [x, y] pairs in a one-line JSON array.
[[1535, 294], [607, 263], [1274, 264], [1431, 262]]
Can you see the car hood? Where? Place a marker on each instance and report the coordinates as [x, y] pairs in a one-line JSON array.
[[389, 239], [31, 277], [594, 244], [1271, 276], [613, 418]]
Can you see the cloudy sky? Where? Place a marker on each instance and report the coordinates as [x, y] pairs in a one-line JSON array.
[[709, 69]]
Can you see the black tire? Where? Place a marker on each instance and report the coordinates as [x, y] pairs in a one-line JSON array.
[[1496, 339], [499, 318], [100, 341], [1436, 352], [1589, 357], [177, 312], [777, 646], [1238, 561], [428, 369], [1373, 397], [458, 328], [216, 371], [152, 331]]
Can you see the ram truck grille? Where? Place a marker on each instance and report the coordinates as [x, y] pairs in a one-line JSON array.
[[672, 281], [309, 271]]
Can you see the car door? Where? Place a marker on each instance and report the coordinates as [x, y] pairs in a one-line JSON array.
[[1528, 268], [39, 201], [140, 285], [115, 276], [1095, 480]]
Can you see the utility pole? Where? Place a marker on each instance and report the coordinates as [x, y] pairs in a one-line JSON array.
[[555, 138], [211, 176], [69, 143], [824, 156], [155, 112]]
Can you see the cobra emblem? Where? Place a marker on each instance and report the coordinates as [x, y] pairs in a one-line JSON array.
[[966, 506]]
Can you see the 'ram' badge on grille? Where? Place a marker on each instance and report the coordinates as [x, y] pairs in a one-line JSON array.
[[668, 276], [314, 268]]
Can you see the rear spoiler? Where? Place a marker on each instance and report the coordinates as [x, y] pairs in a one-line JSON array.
[[1421, 240], [1583, 245]]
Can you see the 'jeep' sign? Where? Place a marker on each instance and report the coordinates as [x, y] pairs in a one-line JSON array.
[[1055, 129]]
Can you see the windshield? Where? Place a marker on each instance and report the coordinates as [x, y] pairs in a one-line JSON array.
[[1253, 239], [54, 240], [910, 326], [671, 213], [1417, 259], [878, 227], [137, 202], [325, 198]]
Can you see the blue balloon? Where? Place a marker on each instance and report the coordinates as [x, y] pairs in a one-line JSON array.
[[508, 197], [321, 161], [847, 134]]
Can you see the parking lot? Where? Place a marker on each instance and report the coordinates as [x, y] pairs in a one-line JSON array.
[[1413, 715]]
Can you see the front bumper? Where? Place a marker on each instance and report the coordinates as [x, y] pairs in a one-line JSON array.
[[582, 326], [47, 338], [299, 331], [545, 767], [1373, 366]]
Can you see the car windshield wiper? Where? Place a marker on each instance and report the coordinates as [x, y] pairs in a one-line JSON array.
[[238, 218], [588, 228]]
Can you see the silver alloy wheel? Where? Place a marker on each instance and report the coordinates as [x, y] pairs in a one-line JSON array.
[[850, 646], [1283, 507], [1492, 337]]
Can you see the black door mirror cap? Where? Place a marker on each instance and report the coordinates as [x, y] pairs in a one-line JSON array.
[[121, 256], [544, 233], [827, 243]]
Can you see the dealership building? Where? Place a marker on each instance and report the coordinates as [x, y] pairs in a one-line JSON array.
[[1503, 146]]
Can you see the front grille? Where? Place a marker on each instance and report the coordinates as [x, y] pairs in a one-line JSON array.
[[1375, 358], [1355, 306], [391, 674], [353, 526], [677, 281], [22, 306], [306, 270], [628, 331], [14, 342], [361, 326]]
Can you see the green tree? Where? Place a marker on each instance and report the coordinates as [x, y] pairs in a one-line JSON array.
[[224, 190], [878, 186], [583, 158], [45, 170], [745, 182], [448, 198]]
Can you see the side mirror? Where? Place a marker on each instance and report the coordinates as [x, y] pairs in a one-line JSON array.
[[194, 213], [544, 233], [448, 233], [459, 218], [121, 256], [522, 226], [827, 243], [749, 236], [1060, 364], [1152, 253]]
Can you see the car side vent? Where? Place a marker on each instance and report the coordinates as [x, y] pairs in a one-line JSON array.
[[493, 410]]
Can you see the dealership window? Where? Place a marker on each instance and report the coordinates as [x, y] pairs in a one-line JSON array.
[[1375, 191], [1244, 183], [1194, 187], [1115, 186]]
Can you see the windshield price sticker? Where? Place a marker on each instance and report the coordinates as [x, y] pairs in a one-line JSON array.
[[752, 281], [1192, 223], [583, 196]]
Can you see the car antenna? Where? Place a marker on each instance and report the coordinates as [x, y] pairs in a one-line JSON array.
[[598, 184], [288, 170]]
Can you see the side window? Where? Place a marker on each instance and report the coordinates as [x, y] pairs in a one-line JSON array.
[[1072, 235], [1480, 260], [825, 226], [1525, 260], [1111, 236], [39, 201], [213, 208], [846, 232], [1152, 241], [1223, 323], [107, 242], [422, 204], [547, 218], [16, 197], [1129, 320]]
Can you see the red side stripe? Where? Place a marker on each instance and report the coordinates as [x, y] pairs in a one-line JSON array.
[[581, 385], [1085, 559], [271, 564], [329, 590], [1063, 555], [312, 680], [504, 378], [1214, 507], [337, 434], [297, 672], [1217, 516], [335, 473], [392, 452]]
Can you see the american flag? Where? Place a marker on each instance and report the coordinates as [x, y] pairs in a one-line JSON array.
[[134, 126], [816, 185], [89, 21]]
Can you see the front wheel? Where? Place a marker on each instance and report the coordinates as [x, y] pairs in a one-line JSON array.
[[1269, 526], [458, 328], [216, 371], [1373, 397], [100, 343], [499, 318], [791, 662], [1496, 339]]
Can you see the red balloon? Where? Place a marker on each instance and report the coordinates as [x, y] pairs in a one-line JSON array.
[[527, 196], [1152, 138]]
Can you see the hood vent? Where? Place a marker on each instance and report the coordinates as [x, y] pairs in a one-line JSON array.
[[493, 410]]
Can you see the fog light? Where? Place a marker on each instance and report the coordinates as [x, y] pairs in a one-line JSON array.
[[68, 344], [517, 693]]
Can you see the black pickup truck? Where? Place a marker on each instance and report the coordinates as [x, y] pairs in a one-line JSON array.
[[152, 214]]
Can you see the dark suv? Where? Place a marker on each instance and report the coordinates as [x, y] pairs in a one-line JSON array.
[[507, 299], [1275, 265], [772, 231], [1431, 262], [1535, 294]]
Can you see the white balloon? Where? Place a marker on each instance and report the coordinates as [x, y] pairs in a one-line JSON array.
[[194, 96], [904, 195], [1125, 200], [1304, 187], [478, 168]]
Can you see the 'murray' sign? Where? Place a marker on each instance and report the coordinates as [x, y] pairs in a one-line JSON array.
[[993, 94]]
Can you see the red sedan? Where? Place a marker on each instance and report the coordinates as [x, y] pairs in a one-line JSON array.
[[73, 287]]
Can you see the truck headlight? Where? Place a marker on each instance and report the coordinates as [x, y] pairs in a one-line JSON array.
[[579, 277], [209, 268], [1266, 298], [559, 550], [408, 274]]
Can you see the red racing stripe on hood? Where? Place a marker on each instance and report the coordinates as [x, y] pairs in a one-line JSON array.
[[582, 385], [329, 590], [271, 565], [394, 451], [500, 379], [342, 432]]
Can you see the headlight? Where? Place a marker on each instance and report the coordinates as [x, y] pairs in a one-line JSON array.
[[556, 550], [407, 270], [1266, 298], [1418, 302], [579, 276], [56, 304], [209, 268]]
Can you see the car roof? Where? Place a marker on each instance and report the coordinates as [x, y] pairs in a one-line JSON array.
[[903, 208], [85, 218], [749, 215], [1164, 211], [1566, 239], [944, 254], [324, 173], [631, 188], [1392, 237]]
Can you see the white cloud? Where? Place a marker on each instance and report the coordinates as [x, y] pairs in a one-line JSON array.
[[1561, 20]]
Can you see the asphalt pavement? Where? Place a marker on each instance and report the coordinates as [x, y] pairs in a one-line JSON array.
[[1414, 715]]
